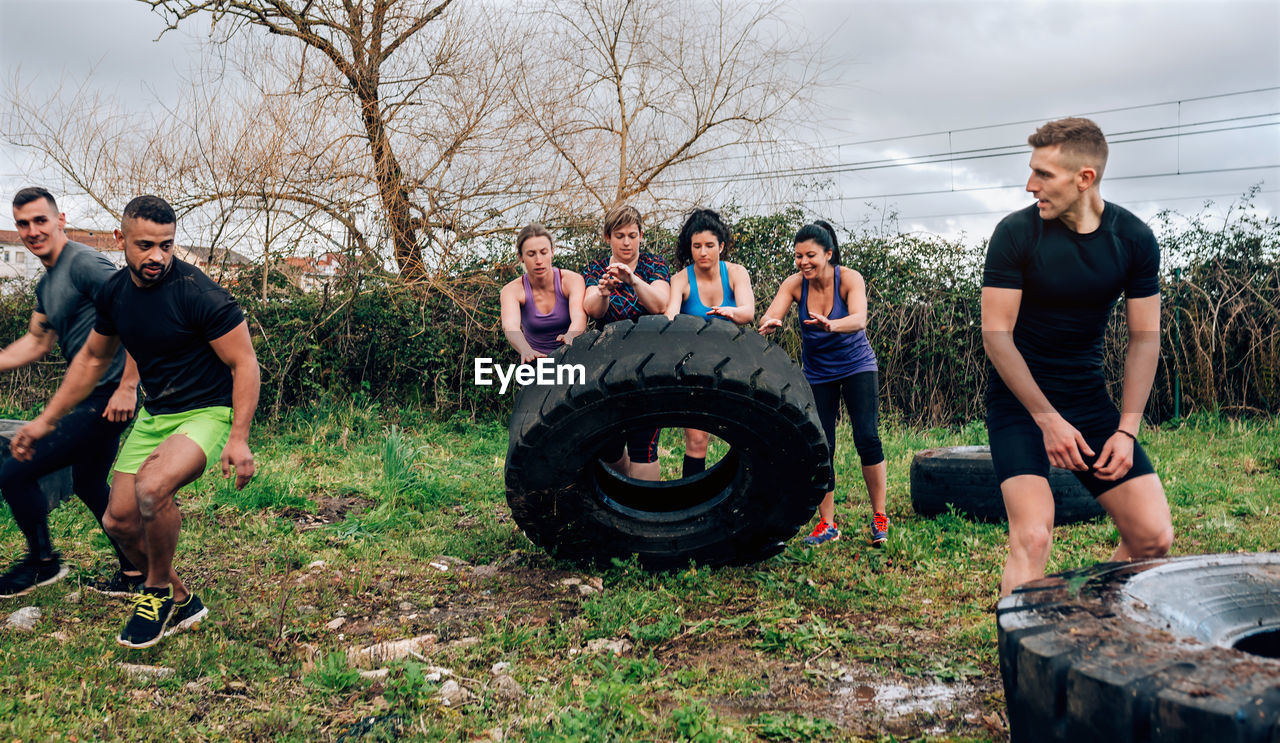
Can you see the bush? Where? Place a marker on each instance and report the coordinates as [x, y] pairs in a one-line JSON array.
[[404, 345]]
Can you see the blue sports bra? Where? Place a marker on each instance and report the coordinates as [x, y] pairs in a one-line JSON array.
[[693, 305]]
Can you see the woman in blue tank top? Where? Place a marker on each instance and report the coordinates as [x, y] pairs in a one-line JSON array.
[[542, 309], [838, 362], [710, 288]]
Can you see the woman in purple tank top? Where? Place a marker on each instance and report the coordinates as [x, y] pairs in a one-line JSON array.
[[838, 362], [542, 309]]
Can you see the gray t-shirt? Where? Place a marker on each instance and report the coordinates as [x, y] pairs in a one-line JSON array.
[[65, 294]]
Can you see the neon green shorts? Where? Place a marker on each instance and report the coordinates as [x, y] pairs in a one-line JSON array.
[[208, 427]]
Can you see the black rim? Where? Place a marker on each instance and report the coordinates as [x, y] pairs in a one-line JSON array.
[[673, 500]]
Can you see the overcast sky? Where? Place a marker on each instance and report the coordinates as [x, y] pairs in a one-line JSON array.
[[916, 82]]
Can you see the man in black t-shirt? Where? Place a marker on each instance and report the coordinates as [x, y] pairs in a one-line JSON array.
[[87, 439], [201, 377], [1053, 273]]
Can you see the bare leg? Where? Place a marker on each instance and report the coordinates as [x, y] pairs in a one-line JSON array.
[[827, 508], [1141, 513], [645, 470], [148, 522], [1029, 503], [876, 477], [123, 522]]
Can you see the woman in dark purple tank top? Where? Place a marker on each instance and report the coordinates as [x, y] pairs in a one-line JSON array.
[[838, 362], [543, 308]]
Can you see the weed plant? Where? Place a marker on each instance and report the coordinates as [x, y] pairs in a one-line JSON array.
[[761, 652]]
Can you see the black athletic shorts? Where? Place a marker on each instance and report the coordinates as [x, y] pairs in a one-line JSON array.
[[642, 447], [1017, 445]]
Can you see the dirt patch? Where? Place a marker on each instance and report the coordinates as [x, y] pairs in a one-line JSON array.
[[330, 509], [866, 702]]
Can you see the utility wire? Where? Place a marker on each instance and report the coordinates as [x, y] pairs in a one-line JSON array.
[[982, 127], [967, 189], [1162, 200], [982, 153]]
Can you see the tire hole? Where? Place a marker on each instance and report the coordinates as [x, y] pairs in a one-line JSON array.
[[1265, 643], [672, 500]]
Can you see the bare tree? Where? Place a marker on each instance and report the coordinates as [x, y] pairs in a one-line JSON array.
[[219, 153], [428, 125], [646, 97], [360, 41]]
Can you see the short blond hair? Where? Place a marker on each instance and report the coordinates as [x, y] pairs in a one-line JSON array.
[[620, 216], [1080, 139]]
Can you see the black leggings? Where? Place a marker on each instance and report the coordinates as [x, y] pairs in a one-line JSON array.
[[861, 393], [82, 440]]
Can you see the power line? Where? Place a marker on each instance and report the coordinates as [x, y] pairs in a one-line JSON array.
[[1006, 211], [1136, 107], [970, 189], [982, 153]]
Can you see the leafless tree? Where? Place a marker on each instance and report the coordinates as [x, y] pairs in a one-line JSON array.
[[428, 124], [428, 97], [648, 97]]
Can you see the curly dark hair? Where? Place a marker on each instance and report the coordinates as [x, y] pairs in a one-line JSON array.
[[702, 220]]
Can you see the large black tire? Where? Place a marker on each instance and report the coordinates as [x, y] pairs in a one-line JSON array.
[[686, 372], [963, 477], [1181, 649], [56, 486]]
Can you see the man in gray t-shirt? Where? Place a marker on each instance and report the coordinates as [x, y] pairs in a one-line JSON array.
[[87, 438]]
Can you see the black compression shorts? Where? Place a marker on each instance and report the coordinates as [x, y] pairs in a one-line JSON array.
[[1017, 445]]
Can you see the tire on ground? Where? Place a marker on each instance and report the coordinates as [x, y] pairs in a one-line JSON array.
[[685, 372], [56, 485], [1182, 649], [963, 477]]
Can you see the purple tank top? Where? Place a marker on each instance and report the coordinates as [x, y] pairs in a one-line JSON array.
[[539, 329], [831, 356]]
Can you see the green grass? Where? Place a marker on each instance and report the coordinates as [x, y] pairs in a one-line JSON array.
[[740, 654]]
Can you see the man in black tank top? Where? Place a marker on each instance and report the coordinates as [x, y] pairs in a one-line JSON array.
[[1053, 273]]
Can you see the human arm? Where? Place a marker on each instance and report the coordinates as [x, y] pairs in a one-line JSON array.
[[235, 349], [854, 291], [1062, 442], [679, 289], [744, 299], [32, 346], [124, 401], [595, 300], [1142, 355], [86, 369], [652, 295], [772, 318], [509, 298], [575, 290]]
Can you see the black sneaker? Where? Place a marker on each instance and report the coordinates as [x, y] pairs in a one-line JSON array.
[[26, 575], [187, 615], [152, 608], [120, 585]]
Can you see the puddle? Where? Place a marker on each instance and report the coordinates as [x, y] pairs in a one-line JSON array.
[[897, 700]]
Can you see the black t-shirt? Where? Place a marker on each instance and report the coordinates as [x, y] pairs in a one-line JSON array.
[[1069, 284], [167, 329]]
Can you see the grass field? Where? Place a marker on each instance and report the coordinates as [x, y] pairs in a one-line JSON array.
[[340, 541]]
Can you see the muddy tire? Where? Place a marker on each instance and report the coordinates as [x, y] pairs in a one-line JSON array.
[[963, 477], [686, 372], [56, 486], [1181, 649]]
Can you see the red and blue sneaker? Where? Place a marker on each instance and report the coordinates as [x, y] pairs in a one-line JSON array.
[[879, 529], [823, 533]]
